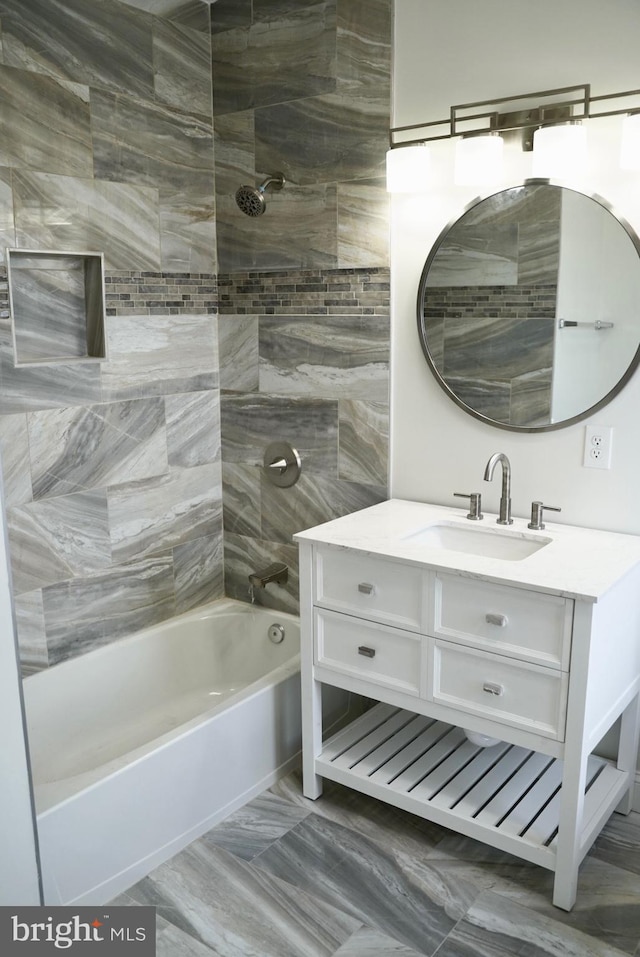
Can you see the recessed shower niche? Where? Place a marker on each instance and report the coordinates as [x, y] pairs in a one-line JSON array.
[[57, 306]]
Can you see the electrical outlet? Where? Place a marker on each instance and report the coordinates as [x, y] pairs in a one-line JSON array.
[[598, 440]]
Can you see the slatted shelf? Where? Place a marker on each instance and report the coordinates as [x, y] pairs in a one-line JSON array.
[[505, 795]]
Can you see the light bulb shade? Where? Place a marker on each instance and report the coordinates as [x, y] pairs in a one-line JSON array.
[[478, 160], [408, 169], [630, 145], [559, 152]]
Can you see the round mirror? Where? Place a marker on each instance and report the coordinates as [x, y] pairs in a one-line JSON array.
[[528, 307]]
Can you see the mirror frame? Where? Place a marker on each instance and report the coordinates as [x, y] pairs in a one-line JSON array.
[[422, 332]]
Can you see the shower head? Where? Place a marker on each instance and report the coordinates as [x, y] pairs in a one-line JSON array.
[[251, 199]]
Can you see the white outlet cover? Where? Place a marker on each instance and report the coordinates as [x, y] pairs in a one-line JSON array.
[[598, 440]]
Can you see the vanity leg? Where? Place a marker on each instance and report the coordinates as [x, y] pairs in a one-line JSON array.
[[628, 749], [568, 855], [311, 689]]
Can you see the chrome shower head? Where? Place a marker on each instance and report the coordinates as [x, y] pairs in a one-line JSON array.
[[252, 200]]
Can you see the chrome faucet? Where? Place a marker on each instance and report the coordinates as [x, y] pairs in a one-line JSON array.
[[278, 572], [505, 499]]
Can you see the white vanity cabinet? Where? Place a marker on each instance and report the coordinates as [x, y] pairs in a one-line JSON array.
[[540, 653]]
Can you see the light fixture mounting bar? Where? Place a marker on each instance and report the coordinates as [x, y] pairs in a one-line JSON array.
[[521, 112]]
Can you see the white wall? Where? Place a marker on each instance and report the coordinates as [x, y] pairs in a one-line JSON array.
[[450, 53]]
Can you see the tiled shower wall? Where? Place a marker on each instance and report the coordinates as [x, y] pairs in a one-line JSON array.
[[301, 88], [113, 470]]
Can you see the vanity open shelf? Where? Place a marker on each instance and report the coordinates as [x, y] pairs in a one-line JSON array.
[[504, 795], [540, 653]]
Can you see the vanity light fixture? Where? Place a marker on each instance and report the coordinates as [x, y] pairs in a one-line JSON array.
[[479, 160], [408, 169], [559, 152], [630, 145], [519, 117]]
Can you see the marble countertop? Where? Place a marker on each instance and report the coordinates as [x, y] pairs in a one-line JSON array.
[[577, 563]]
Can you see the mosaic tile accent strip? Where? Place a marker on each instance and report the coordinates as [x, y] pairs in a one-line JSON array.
[[160, 293], [318, 292]]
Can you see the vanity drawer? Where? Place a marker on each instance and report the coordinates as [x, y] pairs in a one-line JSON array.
[[374, 588], [368, 651], [528, 625], [521, 695]]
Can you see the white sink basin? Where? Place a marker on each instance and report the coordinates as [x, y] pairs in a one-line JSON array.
[[478, 540]]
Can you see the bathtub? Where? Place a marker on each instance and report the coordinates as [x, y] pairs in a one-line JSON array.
[[141, 746]]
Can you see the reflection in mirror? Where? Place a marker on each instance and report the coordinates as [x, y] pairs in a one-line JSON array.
[[528, 307]]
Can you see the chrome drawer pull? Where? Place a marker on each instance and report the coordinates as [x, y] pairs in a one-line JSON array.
[[366, 588], [492, 688], [367, 652], [499, 620]]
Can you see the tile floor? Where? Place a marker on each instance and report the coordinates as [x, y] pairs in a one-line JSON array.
[[352, 877]]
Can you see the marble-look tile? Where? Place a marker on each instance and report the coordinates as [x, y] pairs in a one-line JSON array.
[[16, 466], [619, 842], [44, 123], [368, 942], [268, 62], [319, 139], [363, 224], [364, 45], [190, 13], [531, 399], [538, 252], [149, 516], [193, 428], [66, 212], [396, 894], [256, 826], [238, 910], [44, 387], [244, 555], [239, 354], [312, 500], [325, 356], [90, 612], [363, 441], [7, 223], [173, 942], [486, 396], [49, 310], [97, 446], [32, 640], [51, 541], [297, 231], [151, 144], [198, 570], [250, 422], [241, 499], [515, 346], [187, 226], [477, 255], [234, 149], [606, 905], [496, 927], [227, 14], [106, 44], [158, 355], [182, 66]]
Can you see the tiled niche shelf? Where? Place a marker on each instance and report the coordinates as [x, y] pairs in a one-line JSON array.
[[57, 306]]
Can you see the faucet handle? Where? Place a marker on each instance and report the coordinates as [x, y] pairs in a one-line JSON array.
[[537, 514], [475, 504]]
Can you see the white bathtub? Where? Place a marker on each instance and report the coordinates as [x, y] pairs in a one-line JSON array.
[[141, 746]]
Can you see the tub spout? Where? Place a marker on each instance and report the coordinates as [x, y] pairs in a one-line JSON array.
[[278, 572]]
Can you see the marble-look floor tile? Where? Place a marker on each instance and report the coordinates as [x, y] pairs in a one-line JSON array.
[[256, 826], [368, 942], [497, 927], [238, 910], [392, 891], [619, 842]]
